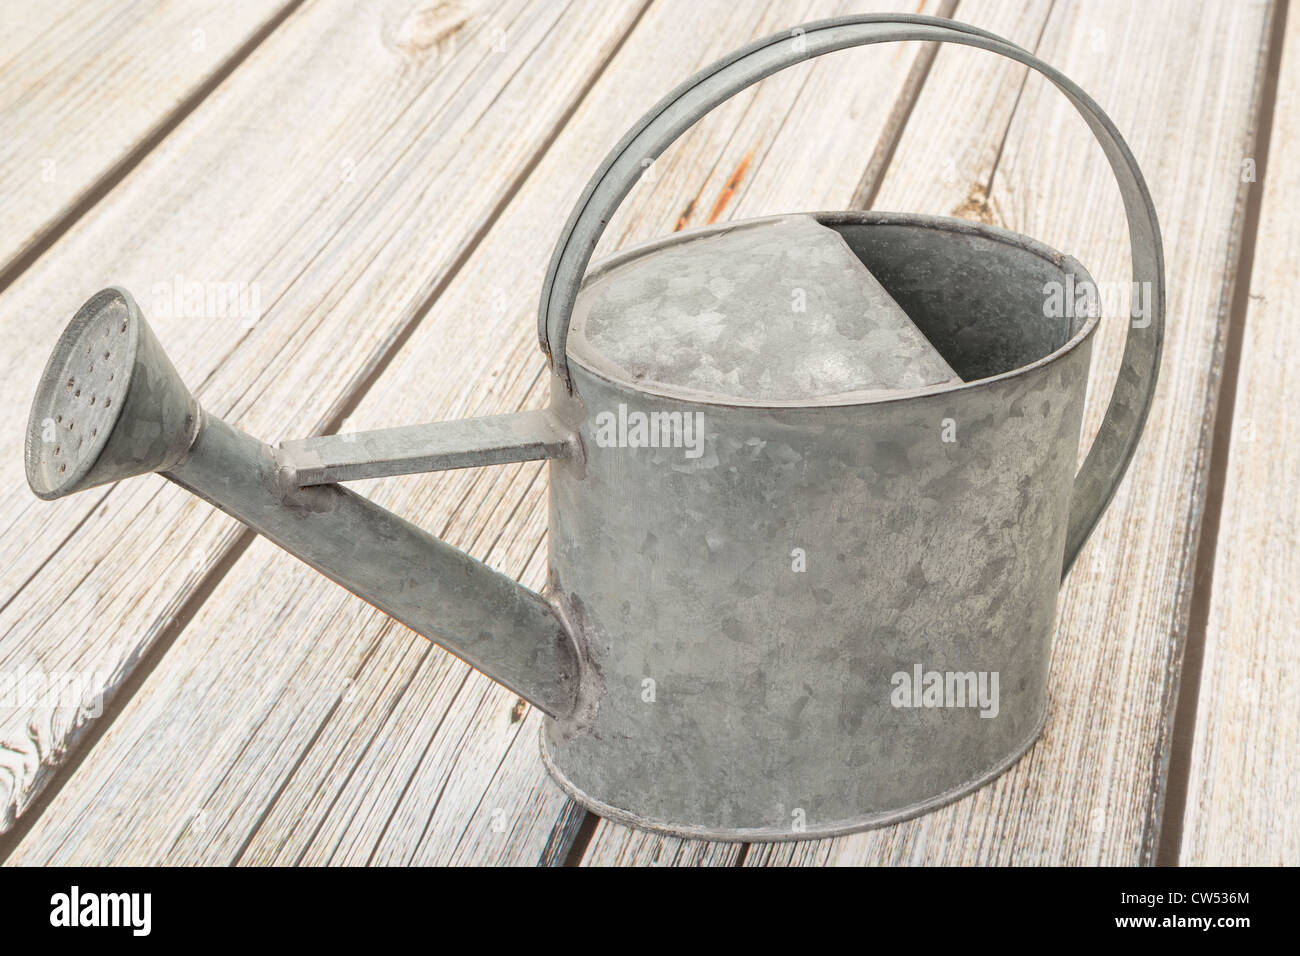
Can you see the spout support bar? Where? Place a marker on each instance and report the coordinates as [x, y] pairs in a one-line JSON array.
[[439, 446], [485, 618]]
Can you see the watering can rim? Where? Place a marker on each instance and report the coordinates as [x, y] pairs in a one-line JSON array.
[[609, 373]]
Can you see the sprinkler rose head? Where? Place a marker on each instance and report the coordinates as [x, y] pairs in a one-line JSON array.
[[109, 404]]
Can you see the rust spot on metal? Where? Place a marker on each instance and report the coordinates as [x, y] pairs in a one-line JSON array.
[[684, 219], [729, 190]]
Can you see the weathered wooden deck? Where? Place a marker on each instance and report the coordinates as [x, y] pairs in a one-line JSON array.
[[388, 179]]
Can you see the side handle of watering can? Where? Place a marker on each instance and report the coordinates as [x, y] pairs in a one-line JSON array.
[[1121, 428]]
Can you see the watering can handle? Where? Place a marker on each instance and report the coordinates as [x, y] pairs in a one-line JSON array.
[[1109, 456]]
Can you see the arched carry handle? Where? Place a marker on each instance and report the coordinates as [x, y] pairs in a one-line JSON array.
[[1120, 430]]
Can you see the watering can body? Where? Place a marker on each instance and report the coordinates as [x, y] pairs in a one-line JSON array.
[[828, 613], [803, 572]]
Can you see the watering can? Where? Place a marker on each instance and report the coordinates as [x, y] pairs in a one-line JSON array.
[[830, 607]]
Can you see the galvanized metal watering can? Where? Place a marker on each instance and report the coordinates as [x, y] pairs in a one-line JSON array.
[[830, 604]]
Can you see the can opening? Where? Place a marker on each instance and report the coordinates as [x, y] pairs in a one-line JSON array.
[[984, 297], [958, 302]]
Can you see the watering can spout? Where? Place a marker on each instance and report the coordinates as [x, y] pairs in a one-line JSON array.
[[110, 405]]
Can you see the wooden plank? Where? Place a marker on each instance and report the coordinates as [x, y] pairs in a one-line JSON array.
[[1244, 784], [1183, 86], [340, 176], [84, 87], [424, 758]]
